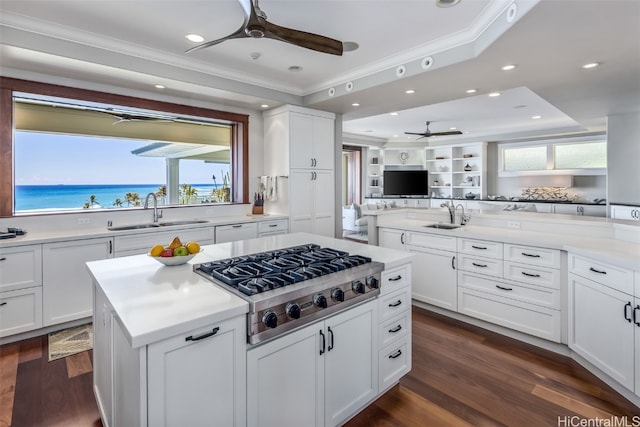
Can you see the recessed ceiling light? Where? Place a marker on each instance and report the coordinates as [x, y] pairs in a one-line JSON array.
[[453, 128], [159, 87], [395, 136], [355, 104], [295, 68], [196, 38], [590, 65], [494, 94], [471, 90], [265, 106], [508, 67], [536, 117], [447, 3], [410, 91], [395, 113]]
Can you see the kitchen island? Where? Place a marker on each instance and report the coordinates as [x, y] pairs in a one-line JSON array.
[[171, 344]]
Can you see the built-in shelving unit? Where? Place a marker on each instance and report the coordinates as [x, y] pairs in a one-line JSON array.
[[457, 171], [375, 167]]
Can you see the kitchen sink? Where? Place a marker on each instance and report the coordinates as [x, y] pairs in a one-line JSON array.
[[154, 225], [443, 226]]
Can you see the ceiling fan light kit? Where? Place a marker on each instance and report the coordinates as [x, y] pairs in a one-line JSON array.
[[257, 26]]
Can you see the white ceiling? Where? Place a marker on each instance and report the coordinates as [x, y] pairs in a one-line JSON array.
[[128, 46]]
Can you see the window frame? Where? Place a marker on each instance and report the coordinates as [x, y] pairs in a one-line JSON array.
[[239, 130]]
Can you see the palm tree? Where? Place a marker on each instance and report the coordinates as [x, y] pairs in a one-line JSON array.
[[92, 200], [117, 202], [162, 191], [132, 198]]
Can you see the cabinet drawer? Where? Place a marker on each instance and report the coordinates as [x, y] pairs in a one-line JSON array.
[[395, 328], [395, 278], [234, 232], [393, 304], [547, 277], [480, 248], [488, 266], [528, 318], [141, 243], [20, 311], [434, 241], [394, 362], [517, 291], [532, 255], [279, 225], [20, 267], [603, 273]]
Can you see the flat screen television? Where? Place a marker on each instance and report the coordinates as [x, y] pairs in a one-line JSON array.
[[406, 183]]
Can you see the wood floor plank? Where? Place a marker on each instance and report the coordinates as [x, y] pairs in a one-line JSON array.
[[569, 403], [9, 356], [31, 349], [78, 364]]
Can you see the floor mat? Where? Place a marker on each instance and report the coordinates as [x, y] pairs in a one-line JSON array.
[[70, 341]]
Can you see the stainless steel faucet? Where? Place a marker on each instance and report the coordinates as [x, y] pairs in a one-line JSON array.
[[156, 214], [452, 211], [464, 218]]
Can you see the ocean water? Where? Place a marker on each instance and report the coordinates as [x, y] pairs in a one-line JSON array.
[[55, 197]]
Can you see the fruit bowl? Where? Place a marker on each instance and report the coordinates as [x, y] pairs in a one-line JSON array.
[[174, 260]]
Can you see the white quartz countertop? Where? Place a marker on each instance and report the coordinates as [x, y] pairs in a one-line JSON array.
[[153, 302], [619, 252]]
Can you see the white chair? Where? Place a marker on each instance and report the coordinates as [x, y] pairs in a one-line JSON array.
[[352, 219]]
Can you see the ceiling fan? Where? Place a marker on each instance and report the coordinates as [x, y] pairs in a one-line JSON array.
[[256, 26], [427, 133]]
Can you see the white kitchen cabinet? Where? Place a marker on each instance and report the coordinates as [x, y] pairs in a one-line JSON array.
[[67, 291], [319, 375], [311, 141], [233, 232], [434, 277], [20, 310], [20, 267], [312, 202], [581, 210], [636, 322], [391, 238], [103, 318], [198, 378], [141, 243], [625, 212], [270, 228]]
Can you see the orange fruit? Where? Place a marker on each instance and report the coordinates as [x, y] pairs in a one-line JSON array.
[[156, 250], [193, 247]]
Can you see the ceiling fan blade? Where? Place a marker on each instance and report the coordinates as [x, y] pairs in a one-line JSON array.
[[453, 132], [238, 34], [418, 133], [303, 39]]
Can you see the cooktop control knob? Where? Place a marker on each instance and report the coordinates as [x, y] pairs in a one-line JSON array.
[[293, 310], [337, 294], [372, 282], [357, 287], [270, 319], [320, 301]]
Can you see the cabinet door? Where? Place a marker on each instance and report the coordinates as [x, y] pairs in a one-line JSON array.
[[20, 267], [391, 238], [102, 356], [323, 203], [351, 368], [301, 219], [300, 141], [197, 379], [323, 143], [636, 321], [20, 311], [598, 330], [434, 279], [233, 232], [285, 380], [67, 285]]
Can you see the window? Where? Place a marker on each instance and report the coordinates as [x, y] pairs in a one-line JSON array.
[[576, 156], [84, 153]]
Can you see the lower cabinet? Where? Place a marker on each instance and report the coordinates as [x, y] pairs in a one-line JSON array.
[[20, 310], [233, 232], [194, 379], [434, 277], [66, 288], [320, 375]]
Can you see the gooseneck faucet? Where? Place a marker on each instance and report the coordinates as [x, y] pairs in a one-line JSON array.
[[464, 218], [452, 211], [156, 214]]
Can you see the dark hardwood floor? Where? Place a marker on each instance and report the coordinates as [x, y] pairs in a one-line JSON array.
[[462, 376]]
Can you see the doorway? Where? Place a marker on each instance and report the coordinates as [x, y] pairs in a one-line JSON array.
[[351, 171]]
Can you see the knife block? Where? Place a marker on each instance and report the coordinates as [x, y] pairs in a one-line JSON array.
[[257, 210]]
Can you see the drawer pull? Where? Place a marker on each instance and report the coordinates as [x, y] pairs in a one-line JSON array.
[[395, 355], [636, 319], [203, 336], [597, 271], [273, 225], [399, 327], [395, 304], [3, 259], [504, 288], [5, 303], [479, 247], [530, 255], [395, 279], [529, 274], [237, 226], [627, 317], [479, 265], [453, 262]]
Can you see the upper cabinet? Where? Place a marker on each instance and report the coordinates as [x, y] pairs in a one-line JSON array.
[[298, 138], [458, 171]]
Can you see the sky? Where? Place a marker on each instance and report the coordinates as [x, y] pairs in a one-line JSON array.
[[48, 159]]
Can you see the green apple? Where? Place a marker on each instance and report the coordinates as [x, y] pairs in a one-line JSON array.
[[180, 251]]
